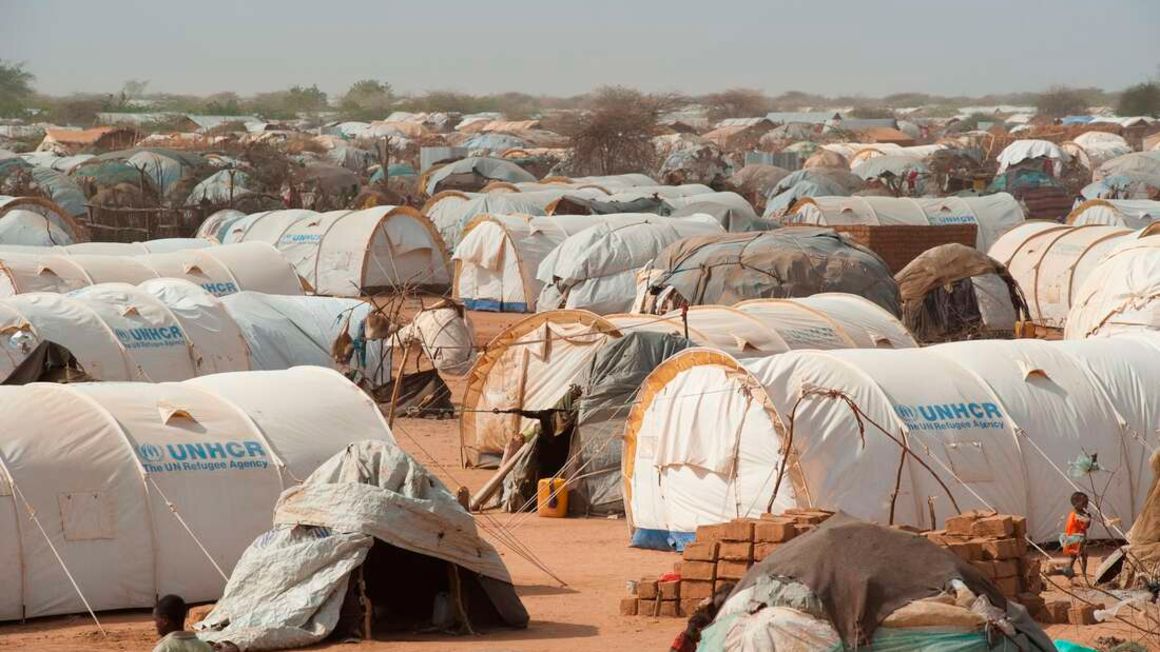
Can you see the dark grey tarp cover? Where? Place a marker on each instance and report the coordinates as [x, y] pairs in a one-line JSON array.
[[863, 572], [474, 172], [734, 216], [616, 374], [780, 264]]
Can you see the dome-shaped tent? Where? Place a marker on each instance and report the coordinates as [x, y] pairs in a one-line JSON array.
[[954, 292], [1091, 149], [220, 270], [1121, 293], [994, 215], [708, 435], [473, 173], [595, 269], [1127, 213], [35, 221], [350, 253], [533, 363], [497, 260], [1029, 150], [1132, 165], [214, 227], [129, 481], [791, 262], [1050, 262]]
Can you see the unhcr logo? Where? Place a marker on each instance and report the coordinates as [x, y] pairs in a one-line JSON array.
[[299, 238], [147, 337], [219, 289], [203, 456], [982, 415]]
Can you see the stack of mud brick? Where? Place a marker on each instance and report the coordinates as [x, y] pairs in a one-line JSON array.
[[718, 556], [996, 545], [898, 244]]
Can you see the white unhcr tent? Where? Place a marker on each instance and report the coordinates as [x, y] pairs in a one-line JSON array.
[[161, 246], [170, 329], [532, 364], [996, 421], [348, 253], [37, 222], [595, 269], [1091, 149], [1050, 262], [1128, 213], [1121, 294], [128, 482], [993, 215]]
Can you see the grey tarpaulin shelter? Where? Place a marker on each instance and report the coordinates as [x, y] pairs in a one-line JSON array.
[[615, 376], [373, 514], [473, 173], [784, 263]]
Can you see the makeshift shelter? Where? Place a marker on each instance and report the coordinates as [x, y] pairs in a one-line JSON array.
[[497, 260], [784, 263], [903, 175], [36, 221], [732, 211], [1052, 155], [220, 188], [954, 292], [994, 420], [595, 269], [754, 182], [1132, 165], [1042, 196], [455, 217], [220, 270], [815, 182], [472, 173], [1092, 148], [533, 364], [368, 522], [1121, 293], [145, 489], [1050, 262], [907, 594], [1126, 213], [350, 253], [994, 215]]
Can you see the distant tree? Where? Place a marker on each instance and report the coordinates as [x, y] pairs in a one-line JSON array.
[[134, 88], [15, 88], [736, 103], [76, 110], [1060, 101], [794, 100], [900, 100], [367, 99], [614, 136], [301, 99], [1141, 99], [224, 103]]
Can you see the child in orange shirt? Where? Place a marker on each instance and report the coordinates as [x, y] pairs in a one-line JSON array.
[[1074, 537]]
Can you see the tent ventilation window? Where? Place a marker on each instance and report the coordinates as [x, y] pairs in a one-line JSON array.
[[87, 515]]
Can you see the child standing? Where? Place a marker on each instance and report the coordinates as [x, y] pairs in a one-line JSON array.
[[1074, 538]]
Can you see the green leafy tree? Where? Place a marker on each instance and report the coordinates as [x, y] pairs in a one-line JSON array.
[[227, 103], [1060, 101], [367, 99], [1141, 99], [302, 99], [15, 88]]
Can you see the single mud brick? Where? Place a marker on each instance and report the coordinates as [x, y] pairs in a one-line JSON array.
[[1033, 584], [966, 550], [670, 590], [987, 568], [699, 570], [961, 524], [811, 518], [738, 530], [709, 533], [1057, 611], [698, 551], [936, 536], [670, 609], [1019, 525], [1001, 549], [763, 550], [628, 606], [688, 606], [695, 590], [731, 570], [774, 530], [736, 551], [1006, 568], [1082, 614], [647, 607], [805, 528], [993, 526], [646, 589], [1008, 586]]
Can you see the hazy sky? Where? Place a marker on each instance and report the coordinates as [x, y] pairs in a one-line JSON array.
[[834, 47]]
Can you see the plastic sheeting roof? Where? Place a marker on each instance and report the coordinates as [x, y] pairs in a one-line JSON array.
[[109, 467], [32, 221], [1128, 213], [992, 418], [1022, 150], [1121, 293]]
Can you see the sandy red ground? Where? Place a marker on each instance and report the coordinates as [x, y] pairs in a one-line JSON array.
[[590, 555]]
